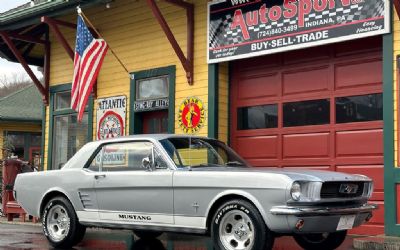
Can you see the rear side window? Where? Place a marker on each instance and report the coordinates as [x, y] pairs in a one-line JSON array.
[[127, 156]]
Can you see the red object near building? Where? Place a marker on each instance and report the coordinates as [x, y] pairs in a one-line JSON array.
[[322, 109], [11, 169]]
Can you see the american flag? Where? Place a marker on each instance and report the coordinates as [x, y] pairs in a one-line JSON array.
[[89, 56]]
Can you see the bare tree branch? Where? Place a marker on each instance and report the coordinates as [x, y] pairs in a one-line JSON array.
[[14, 81]]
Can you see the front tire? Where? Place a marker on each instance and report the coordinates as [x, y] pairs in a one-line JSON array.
[[238, 225], [60, 224], [326, 241]]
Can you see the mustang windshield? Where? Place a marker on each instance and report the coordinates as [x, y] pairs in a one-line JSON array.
[[201, 152]]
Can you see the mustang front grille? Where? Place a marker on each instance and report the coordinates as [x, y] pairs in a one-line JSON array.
[[342, 189]]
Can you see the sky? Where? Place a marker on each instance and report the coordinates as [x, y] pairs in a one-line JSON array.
[[5, 66]]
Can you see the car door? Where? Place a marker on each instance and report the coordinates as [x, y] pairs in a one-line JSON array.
[[129, 192]]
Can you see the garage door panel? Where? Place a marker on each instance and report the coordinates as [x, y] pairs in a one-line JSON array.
[[253, 66], [326, 168], [305, 81], [359, 143], [267, 147], [373, 45], [258, 87], [375, 172], [269, 163], [356, 74], [306, 145], [304, 56]]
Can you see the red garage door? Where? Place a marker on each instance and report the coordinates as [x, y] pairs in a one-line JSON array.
[[319, 108]]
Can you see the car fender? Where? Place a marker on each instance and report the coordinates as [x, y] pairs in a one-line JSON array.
[[54, 189], [245, 195]]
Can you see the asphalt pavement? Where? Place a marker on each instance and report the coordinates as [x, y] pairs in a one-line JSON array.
[[29, 236]]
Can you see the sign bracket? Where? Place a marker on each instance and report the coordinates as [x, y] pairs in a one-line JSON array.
[[187, 61]]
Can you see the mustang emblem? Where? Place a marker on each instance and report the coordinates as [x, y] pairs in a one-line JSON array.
[[348, 188]]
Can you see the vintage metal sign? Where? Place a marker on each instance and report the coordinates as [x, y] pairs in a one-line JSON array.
[[111, 114], [191, 116], [148, 105], [247, 28]]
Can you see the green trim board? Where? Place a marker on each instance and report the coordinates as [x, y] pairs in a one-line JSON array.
[[52, 114], [43, 137], [391, 228], [213, 84], [135, 122]]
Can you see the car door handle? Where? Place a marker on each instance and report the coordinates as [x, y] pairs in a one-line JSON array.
[[98, 176]]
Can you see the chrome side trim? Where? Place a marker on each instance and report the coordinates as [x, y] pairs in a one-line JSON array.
[[311, 211]]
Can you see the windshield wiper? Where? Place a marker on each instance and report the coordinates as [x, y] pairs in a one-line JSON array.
[[234, 163], [204, 165]]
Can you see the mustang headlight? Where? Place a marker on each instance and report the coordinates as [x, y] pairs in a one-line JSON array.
[[368, 189], [305, 191], [295, 191]]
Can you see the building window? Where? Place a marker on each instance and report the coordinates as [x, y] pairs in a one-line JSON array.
[[22, 143], [315, 112], [258, 117], [62, 100], [67, 134], [152, 103], [360, 108], [152, 88]]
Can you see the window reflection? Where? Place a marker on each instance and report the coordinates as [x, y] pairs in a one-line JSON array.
[[68, 137], [359, 108], [315, 112], [152, 88], [258, 117]]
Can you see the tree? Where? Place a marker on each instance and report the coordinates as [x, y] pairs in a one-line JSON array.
[[14, 81]]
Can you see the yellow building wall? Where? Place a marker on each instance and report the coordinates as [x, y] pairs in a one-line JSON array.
[[17, 127], [131, 30], [396, 40]]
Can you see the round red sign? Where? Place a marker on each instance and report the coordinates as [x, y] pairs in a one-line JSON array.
[[191, 115], [110, 126]]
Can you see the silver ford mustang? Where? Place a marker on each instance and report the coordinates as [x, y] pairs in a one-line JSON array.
[[157, 183]]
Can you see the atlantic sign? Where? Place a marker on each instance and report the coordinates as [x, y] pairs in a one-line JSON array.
[[247, 28]]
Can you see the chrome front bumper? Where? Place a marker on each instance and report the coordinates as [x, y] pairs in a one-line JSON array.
[[315, 211]]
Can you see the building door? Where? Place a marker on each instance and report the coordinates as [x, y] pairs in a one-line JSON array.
[[155, 122], [319, 108]]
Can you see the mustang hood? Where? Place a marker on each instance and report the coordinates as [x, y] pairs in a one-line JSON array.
[[301, 174]]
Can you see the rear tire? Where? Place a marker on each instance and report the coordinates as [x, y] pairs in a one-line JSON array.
[[238, 225], [147, 235], [60, 224], [326, 241]]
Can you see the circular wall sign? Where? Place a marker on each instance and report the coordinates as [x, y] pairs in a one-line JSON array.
[[191, 115], [110, 126]]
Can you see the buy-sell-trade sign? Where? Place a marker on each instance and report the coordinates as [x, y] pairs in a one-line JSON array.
[[247, 28]]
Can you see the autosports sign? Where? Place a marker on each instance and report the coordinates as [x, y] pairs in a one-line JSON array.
[[247, 28]]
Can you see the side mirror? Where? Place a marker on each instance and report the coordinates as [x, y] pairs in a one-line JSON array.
[[146, 163]]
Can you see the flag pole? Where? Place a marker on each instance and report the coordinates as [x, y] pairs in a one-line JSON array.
[[80, 12]]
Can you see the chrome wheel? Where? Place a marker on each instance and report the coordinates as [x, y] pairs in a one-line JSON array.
[[236, 231], [58, 223]]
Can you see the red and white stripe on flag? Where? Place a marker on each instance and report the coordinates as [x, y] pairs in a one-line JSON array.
[[89, 56]]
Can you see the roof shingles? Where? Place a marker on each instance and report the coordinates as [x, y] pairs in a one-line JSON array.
[[22, 105]]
